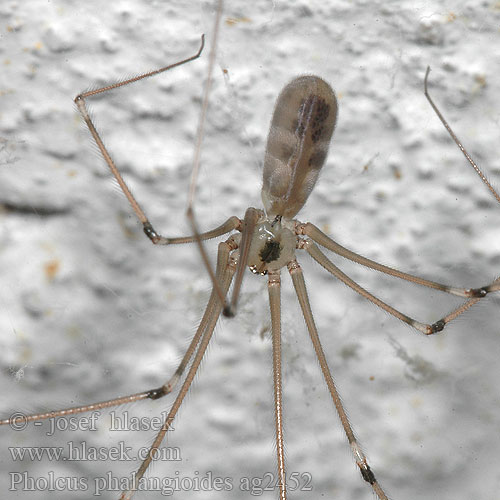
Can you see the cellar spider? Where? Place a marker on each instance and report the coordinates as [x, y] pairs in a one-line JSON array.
[[101, 119]]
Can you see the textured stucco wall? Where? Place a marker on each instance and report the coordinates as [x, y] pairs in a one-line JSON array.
[[89, 309]]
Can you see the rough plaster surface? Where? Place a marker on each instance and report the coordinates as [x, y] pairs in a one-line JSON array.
[[89, 309]]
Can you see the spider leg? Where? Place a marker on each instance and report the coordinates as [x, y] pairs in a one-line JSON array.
[[300, 288], [322, 239], [80, 102], [274, 288], [197, 155], [156, 393], [457, 140], [425, 328], [150, 232], [224, 273], [495, 286], [230, 225], [252, 216]]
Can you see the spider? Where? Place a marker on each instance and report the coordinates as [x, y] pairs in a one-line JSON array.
[[274, 222]]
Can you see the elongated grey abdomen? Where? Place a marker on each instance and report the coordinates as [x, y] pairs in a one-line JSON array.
[[297, 145]]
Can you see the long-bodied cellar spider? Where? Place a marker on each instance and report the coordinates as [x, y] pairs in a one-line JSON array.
[[377, 194]]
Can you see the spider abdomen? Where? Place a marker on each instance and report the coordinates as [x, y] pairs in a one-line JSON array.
[[301, 128]]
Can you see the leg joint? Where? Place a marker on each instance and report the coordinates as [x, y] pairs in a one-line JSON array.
[[367, 473], [150, 232], [157, 393], [438, 326]]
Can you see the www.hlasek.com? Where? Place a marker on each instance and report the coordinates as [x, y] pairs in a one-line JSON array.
[[81, 452], [166, 486]]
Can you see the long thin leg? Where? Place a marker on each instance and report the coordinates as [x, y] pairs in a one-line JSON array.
[[155, 393], [427, 329], [495, 286], [322, 239], [250, 221], [80, 102], [224, 274], [274, 287], [147, 226], [457, 140], [300, 289], [230, 225], [197, 154]]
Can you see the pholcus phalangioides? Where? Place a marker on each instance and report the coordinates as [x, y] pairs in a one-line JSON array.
[[350, 325]]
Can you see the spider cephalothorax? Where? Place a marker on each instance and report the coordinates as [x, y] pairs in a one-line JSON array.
[[273, 245]]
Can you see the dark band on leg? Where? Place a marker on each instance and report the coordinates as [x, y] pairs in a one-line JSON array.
[[367, 473]]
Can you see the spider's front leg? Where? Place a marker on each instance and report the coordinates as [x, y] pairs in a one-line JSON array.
[[157, 239]]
